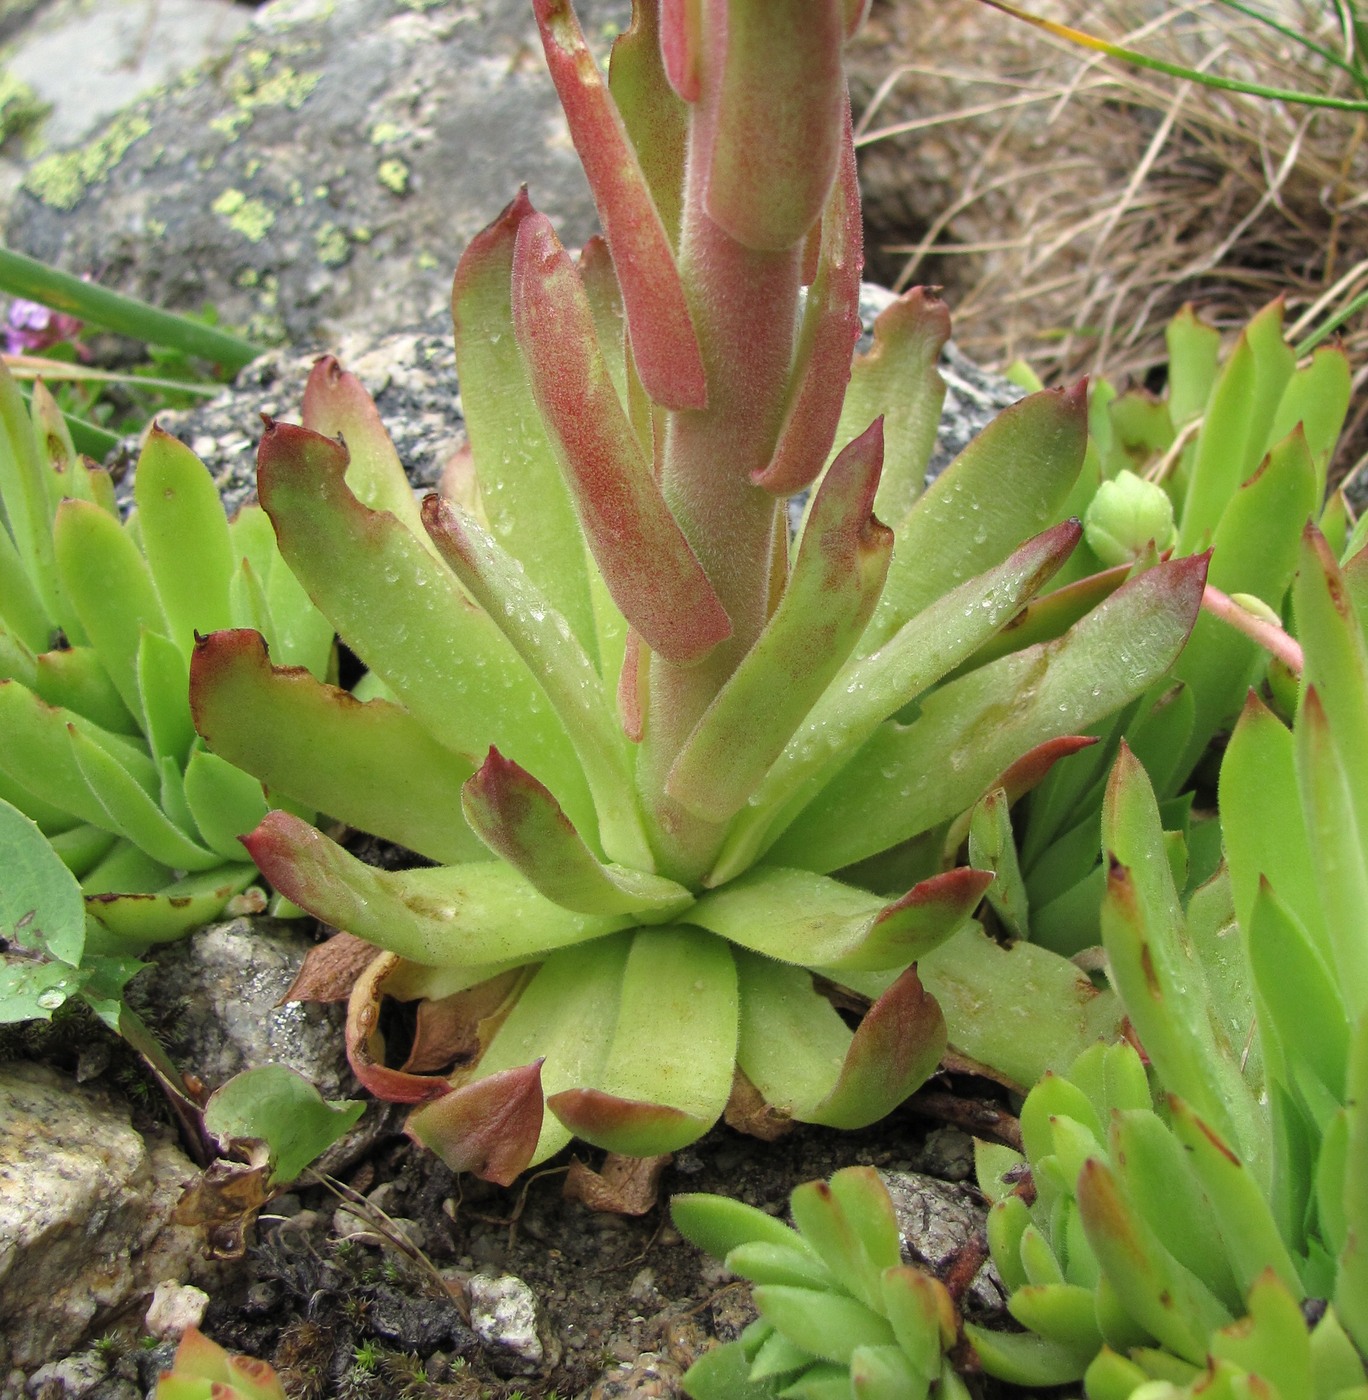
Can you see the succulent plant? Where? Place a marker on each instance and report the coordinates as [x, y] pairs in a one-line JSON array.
[[840, 1314], [635, 728], [203, 1370], [1232, 457], [97, 624], [1174, 1241]]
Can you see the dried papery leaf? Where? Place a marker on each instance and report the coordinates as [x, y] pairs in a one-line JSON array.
[[488, 1127], [624, 1185], [663, 342], [831, 593], [454, 1030], [772, 102], [652, 573], [826, 338], [330, 969], [748, 1112], [337, 405], [518, 819], [226, 1197], [366, 1046], [371, 764]]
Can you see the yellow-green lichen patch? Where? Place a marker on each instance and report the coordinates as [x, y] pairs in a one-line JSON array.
[[393, 174], [61, 180], [249, 217], [427, 261], [383, 133], [283, 88], [21, 110], [230, 123], [420, 6], [332, 245]]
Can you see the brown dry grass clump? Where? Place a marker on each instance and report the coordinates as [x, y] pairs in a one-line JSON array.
[[1071, 204]]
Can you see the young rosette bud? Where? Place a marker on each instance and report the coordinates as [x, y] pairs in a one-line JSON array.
[[203, 1370], [1126, 516]]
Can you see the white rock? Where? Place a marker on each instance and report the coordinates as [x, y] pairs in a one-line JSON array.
[[503, 1314], [85, 1208], [174, 1307], [77, 1374]]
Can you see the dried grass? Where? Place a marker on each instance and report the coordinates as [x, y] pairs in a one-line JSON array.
[[1082, 202]]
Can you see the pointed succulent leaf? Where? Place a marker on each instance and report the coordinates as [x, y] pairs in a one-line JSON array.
[[795, 916], [866, 692], [131, 811], [524, 493], [1254, 550], [1165, 1298], [652, 65], [761, 1262], [136, 921], [1159, 1177], [224, 803], [1336, 651], [720, 1224], [1238, 1204], [922, 1317], [203, 1368], [75, 679], [649, 568], [336, 405], [1317, 397], [488, 1127], [832, 1325], [369, 764], [842, 560], [1351, 1283], [479, 912], [855, 1234], [541, 636], [1266, 840], [1025, 1358], [1338, 844], [519, 820], [1157, 976], [184, 536], [908, 778], [26, 489], [163, 682], [992, 847], [664, 346], [1063, 1313], [771, 104], [110, 589], [669, 1070], [827, 334], [897, 377], [443, 658], [1009, 483], [1194, 350], [22, 610]]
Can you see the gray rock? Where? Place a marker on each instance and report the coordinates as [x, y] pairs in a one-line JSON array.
[[327, 172], [505, 1316], [214, 1000], [936, 1220], [85, 1206]]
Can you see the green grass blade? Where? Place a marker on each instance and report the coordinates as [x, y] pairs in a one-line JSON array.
[[27, 277]]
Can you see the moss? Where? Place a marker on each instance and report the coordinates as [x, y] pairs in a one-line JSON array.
[[61, 181], [249, 217], [393, 174]]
